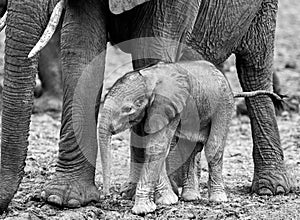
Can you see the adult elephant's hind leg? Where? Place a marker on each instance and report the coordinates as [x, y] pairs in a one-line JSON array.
[[254, 65], [83, 44]]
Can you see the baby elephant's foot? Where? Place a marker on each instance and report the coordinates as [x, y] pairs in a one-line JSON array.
[[190, 195], [218, 196], [143, 206], [70, 193], [166, 197], [128, 190]]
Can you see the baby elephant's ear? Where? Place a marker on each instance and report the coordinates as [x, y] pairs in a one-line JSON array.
[[119, 6], [168, 97]]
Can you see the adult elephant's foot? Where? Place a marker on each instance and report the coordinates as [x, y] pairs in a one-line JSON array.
[[70, 193], [190, 195], [271, 182], [128, 190], [143, 206], [46, 103]]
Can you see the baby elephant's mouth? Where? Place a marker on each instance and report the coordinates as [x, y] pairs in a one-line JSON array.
[[133, 122], [112, 129], [117, 129], [122, 126]]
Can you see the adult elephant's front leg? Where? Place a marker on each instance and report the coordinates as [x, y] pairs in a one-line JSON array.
[[83, 44], [254, 65]]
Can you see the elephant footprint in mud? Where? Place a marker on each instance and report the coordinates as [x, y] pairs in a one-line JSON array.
[[183, 106]]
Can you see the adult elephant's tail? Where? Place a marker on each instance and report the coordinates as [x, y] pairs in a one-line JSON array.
[[25, 24]]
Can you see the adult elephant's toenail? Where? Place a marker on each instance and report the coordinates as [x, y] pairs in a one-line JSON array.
[[53, 199], [73, 203], [265, 191], [280, 190]]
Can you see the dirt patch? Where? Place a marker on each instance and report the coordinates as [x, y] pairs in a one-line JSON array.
[[238, 165]]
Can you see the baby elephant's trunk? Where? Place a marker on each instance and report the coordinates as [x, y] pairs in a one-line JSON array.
[[104, 139]]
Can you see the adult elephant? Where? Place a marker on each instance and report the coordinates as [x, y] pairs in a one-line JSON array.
[[211, 30]]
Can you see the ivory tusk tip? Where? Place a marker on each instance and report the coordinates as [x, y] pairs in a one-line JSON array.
[[50, 29], [2, 27], [3, 21], [31, 54]]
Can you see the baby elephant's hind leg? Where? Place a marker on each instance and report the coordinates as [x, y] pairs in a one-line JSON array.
[[214, 150], [190, 188]]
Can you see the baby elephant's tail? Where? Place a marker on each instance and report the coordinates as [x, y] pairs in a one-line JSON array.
[[277, 99]]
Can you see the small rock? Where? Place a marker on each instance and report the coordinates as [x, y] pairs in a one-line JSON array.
[[190, 216]]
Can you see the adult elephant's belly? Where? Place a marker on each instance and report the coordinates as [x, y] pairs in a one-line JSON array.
[[219, 29]]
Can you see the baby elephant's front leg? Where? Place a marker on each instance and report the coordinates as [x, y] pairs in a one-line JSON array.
[[157, 149], [154, 159], [164, 193]]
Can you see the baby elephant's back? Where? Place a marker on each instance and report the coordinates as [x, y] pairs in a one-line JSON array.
[[210, 95], [208, 84]]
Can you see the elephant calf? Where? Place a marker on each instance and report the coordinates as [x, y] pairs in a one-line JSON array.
[[190, 101]]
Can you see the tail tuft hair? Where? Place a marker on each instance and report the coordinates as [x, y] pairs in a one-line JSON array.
[[278, 103]]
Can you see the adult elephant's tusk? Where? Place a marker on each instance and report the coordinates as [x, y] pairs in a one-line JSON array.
[[50, 29], [3, 21]]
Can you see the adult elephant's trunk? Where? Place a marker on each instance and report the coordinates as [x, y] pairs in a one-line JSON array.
[[104, 139], [25, 23]]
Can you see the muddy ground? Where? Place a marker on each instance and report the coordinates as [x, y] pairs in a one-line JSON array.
[[238, 165]]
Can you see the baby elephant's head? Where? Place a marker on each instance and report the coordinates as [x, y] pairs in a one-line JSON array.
[[125, 103]]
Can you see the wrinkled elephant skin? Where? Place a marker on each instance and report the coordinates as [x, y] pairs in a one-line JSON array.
[[212, 30]]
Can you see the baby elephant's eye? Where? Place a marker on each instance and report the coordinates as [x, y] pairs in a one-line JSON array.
[[139, 103], [126, 109]]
